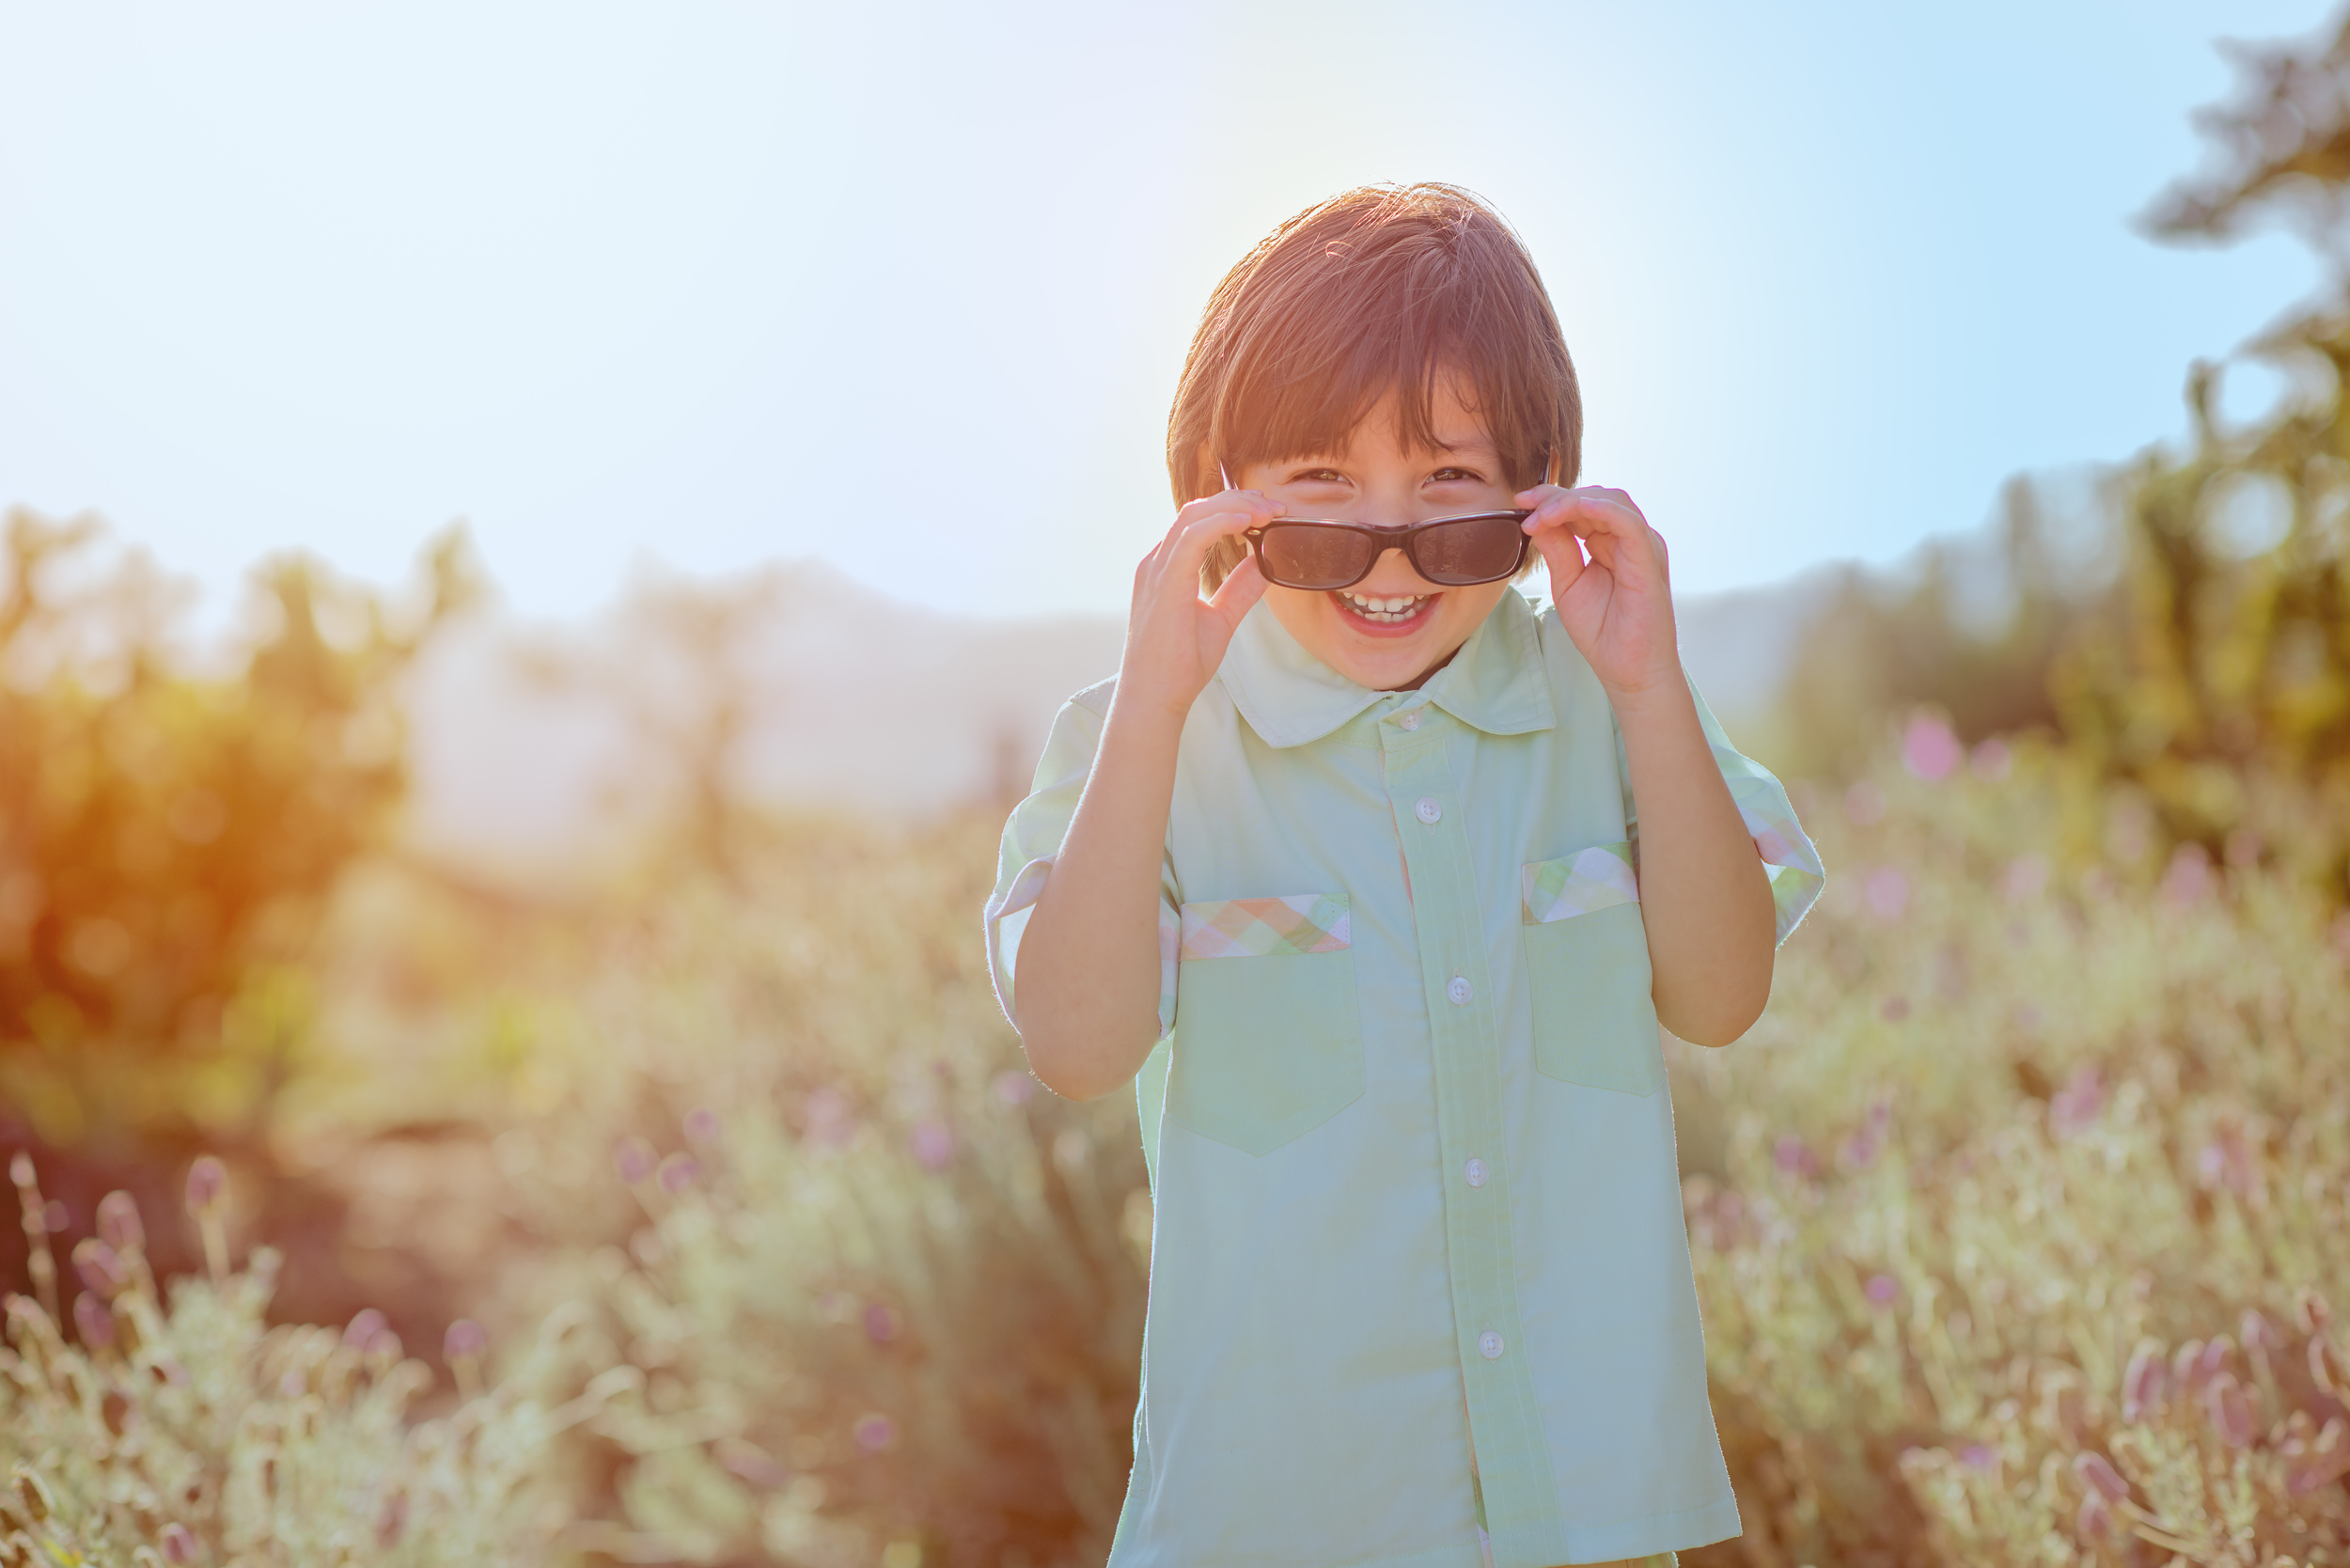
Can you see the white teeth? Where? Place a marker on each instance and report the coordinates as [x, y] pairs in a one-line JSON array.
[[1389, 610]]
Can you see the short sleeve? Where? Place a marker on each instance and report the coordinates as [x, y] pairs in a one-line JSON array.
[[1032, 838], [1793, 863]]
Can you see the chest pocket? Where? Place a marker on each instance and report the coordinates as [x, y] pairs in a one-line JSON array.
[[1587, 961], [1268, 1034]]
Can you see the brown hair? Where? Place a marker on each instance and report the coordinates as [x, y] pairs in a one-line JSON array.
[[1381, 288]]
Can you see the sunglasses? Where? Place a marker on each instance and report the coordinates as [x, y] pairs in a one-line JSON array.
[[1452, 552]]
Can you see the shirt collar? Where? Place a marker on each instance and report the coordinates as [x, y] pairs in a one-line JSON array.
[[1290, 697]]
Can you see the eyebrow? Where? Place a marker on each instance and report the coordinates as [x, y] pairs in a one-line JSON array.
[[1481, 446]]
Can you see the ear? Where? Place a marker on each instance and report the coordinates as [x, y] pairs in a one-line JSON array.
[[1203, 463]]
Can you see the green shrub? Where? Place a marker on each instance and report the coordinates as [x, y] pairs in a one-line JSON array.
[[884, 1291], [198, 1435], [2018, 1244]]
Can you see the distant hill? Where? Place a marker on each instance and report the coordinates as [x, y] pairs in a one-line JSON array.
[[532, 745]]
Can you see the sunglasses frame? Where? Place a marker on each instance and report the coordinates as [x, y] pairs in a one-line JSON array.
[[1388, 537]]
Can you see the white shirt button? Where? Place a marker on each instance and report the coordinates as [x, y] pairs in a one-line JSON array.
[[1475, 1171], [1428, 810], [1410, 720], [1489, 1346], [1458, 989]]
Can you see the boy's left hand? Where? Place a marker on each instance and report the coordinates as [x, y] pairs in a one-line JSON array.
[[1609, 579]]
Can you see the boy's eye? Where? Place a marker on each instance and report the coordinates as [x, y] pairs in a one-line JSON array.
[[1317, 476], [1448, 475]]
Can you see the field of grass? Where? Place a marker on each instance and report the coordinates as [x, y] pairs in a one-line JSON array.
[[2016, 1224]]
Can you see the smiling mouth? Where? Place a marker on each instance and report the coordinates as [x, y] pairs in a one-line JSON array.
[[1386, 612]]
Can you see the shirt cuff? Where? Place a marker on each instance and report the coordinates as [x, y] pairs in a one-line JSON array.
[[1007, 920], [1796, 874]]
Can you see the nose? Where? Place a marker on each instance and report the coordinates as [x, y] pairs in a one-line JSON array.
[[1393, 572]]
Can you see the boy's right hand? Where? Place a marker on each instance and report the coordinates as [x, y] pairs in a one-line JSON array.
[[1175, 636]]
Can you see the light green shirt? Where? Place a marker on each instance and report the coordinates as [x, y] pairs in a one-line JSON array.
[[1417, 1237]]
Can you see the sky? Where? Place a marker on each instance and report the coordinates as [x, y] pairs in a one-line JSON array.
[[908, 288]]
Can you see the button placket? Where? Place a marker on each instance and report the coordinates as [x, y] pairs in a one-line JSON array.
[[1521, 1498]]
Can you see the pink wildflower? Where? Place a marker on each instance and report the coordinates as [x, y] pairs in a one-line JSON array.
[[933, 1146], [2310, 1465], [118, 1224], [2188, 879], [2329, 1368], [1929, 748], [1881, 1289], [875, 1431], [1887, 892], [2076, 1107], [365, 1325], [632, 1158], [208, 1184], [2230, 1413], [701, 1124], [2146, 1384], [100, 1268], [1793, 1156], [827, 1118], [393, 1521], [1015, 1087], [747, 1460], [96, 1323], [2098, 1471], [679, 1172], [2187, 1367]]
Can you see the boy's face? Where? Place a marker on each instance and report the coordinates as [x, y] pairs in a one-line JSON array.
[[1394, 629]]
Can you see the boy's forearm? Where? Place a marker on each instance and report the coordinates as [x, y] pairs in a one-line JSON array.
[[1705, 895], [1087, 989]]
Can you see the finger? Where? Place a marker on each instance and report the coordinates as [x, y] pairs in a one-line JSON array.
[[1562, 554], [1249, 501], [1187, 549], [1241, 589], [1610, 510]]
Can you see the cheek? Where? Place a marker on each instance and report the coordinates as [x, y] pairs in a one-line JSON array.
[[1300, 611]]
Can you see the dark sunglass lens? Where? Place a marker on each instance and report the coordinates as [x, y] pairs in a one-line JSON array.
[[1475, 550], [1308, 556]]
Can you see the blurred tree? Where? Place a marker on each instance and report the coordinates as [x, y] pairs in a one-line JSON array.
[[688, 667], [2218, 651], [167, 837], [1878, 647], [2226, 644]]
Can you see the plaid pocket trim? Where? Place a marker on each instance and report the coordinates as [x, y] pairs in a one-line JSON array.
[[1597, 878], [1266, 928], [1793, 865]]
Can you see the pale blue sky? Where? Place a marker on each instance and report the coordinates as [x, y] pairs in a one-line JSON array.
[[908, 288]]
